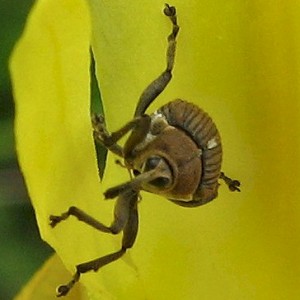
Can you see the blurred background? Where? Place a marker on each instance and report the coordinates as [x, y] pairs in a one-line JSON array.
[[22, 251]]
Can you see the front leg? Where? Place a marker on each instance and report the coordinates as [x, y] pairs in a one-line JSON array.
[[139, 126], [102, 136], [160, 83]]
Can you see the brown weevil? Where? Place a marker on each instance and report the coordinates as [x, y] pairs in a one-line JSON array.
[[175, 152]]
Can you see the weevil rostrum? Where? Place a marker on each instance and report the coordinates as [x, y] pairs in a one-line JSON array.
[[175, 152]]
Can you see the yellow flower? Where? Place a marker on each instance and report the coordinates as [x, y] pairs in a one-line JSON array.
[[237, 60]]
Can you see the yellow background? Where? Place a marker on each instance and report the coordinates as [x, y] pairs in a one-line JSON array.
[[240, 62]]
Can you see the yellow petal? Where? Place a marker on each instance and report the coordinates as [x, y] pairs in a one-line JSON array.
[[50, 71], [41, 285], [240, 63]]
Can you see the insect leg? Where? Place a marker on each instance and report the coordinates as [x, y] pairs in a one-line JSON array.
[[92, 265], [134, 184], [159, 84], [170, 11], [232, 184], [101, 135], [81, 216], [139, 125], [125, 218], [129, 236]]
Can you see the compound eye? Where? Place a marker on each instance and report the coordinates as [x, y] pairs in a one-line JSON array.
[[160, 182], [136, 172], [151, 163]]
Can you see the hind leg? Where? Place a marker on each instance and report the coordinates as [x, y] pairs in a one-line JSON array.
[[126, 220]]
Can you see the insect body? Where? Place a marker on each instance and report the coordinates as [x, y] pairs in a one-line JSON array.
[[175, 152], [186, 142]]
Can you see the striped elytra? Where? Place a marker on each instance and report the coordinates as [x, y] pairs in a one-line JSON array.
[[202, 130]]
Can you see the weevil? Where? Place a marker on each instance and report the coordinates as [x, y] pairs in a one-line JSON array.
[[175, 152]]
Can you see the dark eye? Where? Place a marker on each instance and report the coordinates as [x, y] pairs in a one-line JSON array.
[[136, 172], [151, 163], [160, 182]]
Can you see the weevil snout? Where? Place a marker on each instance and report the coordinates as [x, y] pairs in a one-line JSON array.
[[164, 179]]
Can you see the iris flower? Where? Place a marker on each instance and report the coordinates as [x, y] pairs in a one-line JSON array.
[[240, 61]]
